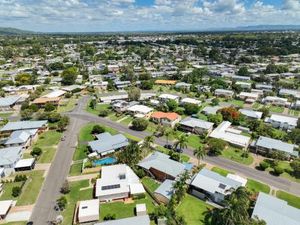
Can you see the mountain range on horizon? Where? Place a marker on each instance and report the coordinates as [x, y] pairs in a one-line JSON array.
[[17, 31]]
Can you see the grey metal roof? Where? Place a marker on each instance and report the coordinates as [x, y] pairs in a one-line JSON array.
[[163, 163], [210, 181], [251, 113], [275, 211], [8, 101], [137, 220], [211, 109], [24, 125], [193, 122], [107, 142], [20, 136], [9, 155], [274, 144], [166, 189]]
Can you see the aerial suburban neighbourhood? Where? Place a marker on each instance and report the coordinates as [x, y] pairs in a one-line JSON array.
[[166, 128]]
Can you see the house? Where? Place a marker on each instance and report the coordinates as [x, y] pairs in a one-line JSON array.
[[161, 167], [282, 122], [22, 138], [118, 182], [211, 185], [196, 126], [140, 111], [166, 97], [42, 101], [190, 101], [88, 211], [25, 164], [169, 119], [224, 93], [55, 94], [136, 220], [210, 110], [243, 85], [183, 85], [121, 106], [249, 97], [8, 103], [23, 89], [251, 114], [111, 98], [241, 78], [122, 84], [231, 135], [275, 211], [107, 143], [4, 208], [165, 82], [164, 192], [274, 100], [296, 105], [264, 87], [266, 145], [289, 92], [40, 125], [9, 158]]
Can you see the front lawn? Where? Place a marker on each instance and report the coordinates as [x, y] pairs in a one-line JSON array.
[[80, 152], [194, 141], [7, 190], [48, 142], [31, 188], [193, 210], [74, 196], [68, 105], [256, 186], [122, 210], [276, 109], [291, 199], [220, 171], [235, 154], [150, 184], [75, 169], [238, 103]]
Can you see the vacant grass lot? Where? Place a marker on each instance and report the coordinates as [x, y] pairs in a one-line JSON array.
[[7, 190], [193, 210], [291, 199], [48, 142], [31, 188], [122, 210], [236, 155], [256, 186], [73, 197], [68, 105], [75, 169]]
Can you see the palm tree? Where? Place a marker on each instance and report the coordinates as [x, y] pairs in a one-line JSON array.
[[148, 141], [199, 153], [168, 133], [181, 142]]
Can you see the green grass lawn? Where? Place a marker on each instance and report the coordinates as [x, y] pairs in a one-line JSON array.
[[75, 169], [31, 188], [7, 190], [99, 107], [276, 109], [80, 152], [76, 195], [127, 121], [220, 171], [293, 112], [257, 105], [150, 184], [48, 142], [238, 103], [183, 157], [193, 210], [236, 155], [194, 141], [291, 199], [122, 210], [256, 186], [5, 115], [68, 105]]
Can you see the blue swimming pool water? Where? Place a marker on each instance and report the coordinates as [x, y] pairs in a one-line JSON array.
[[105, 161]]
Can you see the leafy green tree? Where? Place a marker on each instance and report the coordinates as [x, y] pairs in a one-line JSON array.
[[97, 129], [172, 105], [63, 123], [243, 71], [181, 141], [215, 118], [131, 155], [139, 124], [24, 79], [216, 146], [65, 189], [16, 191], [296, 168], [69, 76], [49, 107], [191, 109], [134, 94], [36, 151], [62, 202]]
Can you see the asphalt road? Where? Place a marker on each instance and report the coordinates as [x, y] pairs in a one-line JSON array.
[[44, 208]]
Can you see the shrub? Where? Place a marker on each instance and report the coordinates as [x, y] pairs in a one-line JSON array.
[[65, 189], [97, 129], [278, 170], [62, 202], [140, 124], [109, 217], [16, 191], [20, 177], [103, 113], [264, 165], [36, 151]]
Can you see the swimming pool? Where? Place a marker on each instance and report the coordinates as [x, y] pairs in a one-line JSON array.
[[105, 161]]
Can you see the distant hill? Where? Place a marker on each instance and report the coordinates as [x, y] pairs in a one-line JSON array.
[[268, 28], [13, 31]]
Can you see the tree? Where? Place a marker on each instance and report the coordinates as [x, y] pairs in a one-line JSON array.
[[24, 79], [243, 71], [215, 118], [49, 107], [93, 104], [62, 202], [191, 109], [181, 142], [148, 141], [109, 217], [147, 84], [69, 76], [216, 146], [134, 94], [16, 191], [131, 155], [296, 168], [172, 105], [199, 153], [26, 114], [140, 124], [265, 111], [294, 136], [231, 114], [271, 68], [168, 133], [215, 101], [63, 123], [36, 151], [97, 129], [65, 189]]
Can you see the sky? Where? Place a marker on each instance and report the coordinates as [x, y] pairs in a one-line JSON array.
[[145, 15]]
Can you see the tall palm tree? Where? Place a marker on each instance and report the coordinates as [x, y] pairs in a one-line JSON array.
[[168, 133], [148, 141], [181, 142], [199, 153]]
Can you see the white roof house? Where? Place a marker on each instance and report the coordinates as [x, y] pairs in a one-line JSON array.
[[166, 97], [224, 92], [140, 109], [226, 133], [251, 113], [196, 123], [55, 94], [285, 122], [4, 207], [88, 211], [117, 182], [190, 101], [275, 211], [250, 95], [136, 220], [25, 163], [24, 125]]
